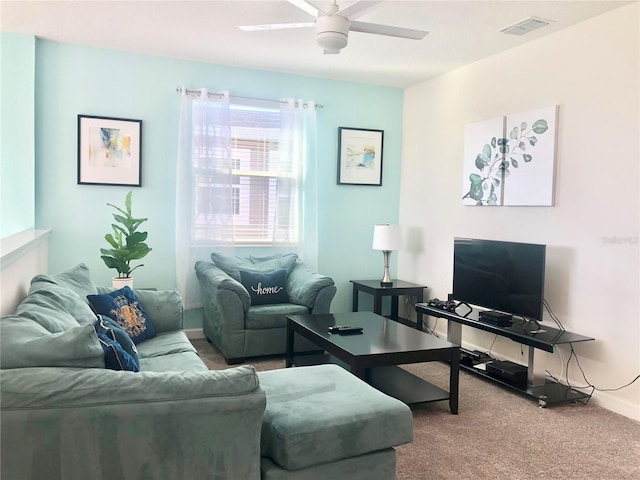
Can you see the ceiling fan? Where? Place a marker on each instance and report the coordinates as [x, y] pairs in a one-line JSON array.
[[333, 25]]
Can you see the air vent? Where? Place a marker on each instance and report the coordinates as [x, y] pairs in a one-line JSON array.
[[525, 26]]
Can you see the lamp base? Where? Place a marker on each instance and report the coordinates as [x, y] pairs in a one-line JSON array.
[[386, 278]]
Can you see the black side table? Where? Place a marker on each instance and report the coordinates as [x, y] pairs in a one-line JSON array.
[[399, 287]]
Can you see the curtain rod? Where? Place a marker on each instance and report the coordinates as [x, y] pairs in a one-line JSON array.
[[179, 90]]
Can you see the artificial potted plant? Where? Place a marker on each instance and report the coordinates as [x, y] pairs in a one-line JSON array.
[[126, 242]]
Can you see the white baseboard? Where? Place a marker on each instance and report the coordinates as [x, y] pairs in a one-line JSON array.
[[195, 334], [621, 407]]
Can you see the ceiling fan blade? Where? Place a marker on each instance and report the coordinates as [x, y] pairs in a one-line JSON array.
[[388, 30], [357, 9], [275, 26], [307, 7]]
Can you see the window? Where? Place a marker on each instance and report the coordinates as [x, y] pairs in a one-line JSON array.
[[246, 190], [246, 176]]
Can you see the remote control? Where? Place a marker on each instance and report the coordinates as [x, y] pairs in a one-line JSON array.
[[344, 329]]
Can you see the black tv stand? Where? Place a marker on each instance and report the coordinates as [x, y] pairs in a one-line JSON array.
[[544, 338]]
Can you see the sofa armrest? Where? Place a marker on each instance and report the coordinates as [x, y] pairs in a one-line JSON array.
[[130, 425], [213, 279], [225, 303], [304, 286], [323, 301]]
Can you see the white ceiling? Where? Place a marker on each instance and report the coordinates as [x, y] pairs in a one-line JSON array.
[[460, 32]]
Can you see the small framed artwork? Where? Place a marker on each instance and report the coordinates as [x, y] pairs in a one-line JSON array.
[[359, 156], [109, 151]]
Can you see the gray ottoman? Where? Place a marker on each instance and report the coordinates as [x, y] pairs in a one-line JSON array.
[[323, 422]]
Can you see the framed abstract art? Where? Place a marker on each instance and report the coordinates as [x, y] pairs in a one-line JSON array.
[[359, 156], [109, 151]]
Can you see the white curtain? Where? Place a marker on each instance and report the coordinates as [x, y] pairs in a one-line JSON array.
[[298, 148], [204, 156], [204, 159], [309, 241]]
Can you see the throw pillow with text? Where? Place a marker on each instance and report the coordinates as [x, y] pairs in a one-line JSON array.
[[265, 288]]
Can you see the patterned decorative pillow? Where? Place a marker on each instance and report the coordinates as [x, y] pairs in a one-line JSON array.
[[265, 288], [124, 307], [111, 329]]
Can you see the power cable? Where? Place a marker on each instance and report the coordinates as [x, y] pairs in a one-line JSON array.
[[575, 355]]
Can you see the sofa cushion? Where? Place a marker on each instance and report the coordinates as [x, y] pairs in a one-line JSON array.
[[45, 308], [232, 265], [119, 350], [164, 309], [65, 292], [323, 413], [124, 307], [265, 288], [272, 316], [176, 362], [26, 343], [55, 307], [166, 343], [77, 279]]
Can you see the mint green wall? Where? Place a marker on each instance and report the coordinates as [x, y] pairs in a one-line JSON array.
[[72, 80], [17, 159]]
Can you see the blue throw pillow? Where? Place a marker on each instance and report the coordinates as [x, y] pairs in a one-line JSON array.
[[124, 307], [265, 288], [115, 357], [108, 327]]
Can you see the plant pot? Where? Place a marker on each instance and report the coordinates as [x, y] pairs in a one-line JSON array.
[[120, 282]]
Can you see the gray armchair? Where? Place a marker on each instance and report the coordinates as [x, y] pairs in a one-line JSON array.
[[241, 328]]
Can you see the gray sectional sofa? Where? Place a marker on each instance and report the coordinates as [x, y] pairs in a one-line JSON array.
[[65, 416]]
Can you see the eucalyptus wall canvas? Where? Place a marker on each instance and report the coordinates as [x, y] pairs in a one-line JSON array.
[[510, 160]]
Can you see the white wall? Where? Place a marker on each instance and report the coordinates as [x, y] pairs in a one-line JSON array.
[[591, 70]]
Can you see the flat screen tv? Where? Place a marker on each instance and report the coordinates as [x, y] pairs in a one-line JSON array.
[[503, 276]]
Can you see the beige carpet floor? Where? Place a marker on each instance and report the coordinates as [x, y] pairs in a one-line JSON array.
[[502, 435]]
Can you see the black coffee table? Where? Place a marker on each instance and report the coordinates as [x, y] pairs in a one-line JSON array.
[[374, 355]]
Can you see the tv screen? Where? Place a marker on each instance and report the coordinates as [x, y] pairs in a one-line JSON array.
[[503, 276]]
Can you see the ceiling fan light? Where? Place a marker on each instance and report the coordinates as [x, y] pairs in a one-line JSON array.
[[331, 40], [332, 32]]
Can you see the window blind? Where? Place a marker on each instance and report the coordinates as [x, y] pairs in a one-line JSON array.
[[244, 190]]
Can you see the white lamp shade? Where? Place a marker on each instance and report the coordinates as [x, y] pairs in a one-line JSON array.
[[387, 237]]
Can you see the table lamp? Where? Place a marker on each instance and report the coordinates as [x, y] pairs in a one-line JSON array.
[[387, 238]]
